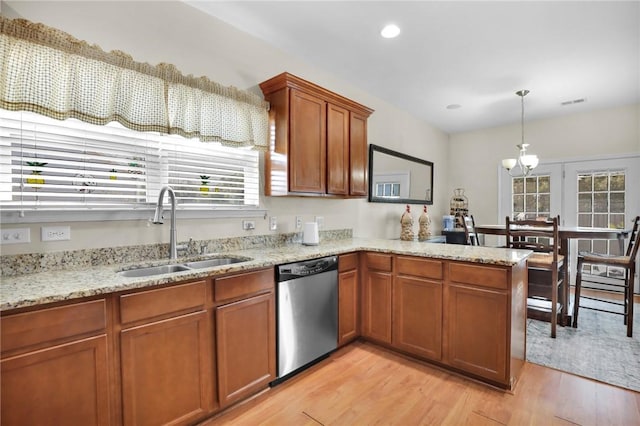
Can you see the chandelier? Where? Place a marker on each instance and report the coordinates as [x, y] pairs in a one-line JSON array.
[[525, 162]]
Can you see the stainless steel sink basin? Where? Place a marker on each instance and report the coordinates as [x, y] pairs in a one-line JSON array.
[[153, 270], [210, 263], [168, 269]]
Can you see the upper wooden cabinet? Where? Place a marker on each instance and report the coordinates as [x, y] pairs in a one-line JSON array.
[[318, 143]]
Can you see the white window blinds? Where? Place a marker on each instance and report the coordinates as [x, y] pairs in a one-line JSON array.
[[48, 164], [202, 176]]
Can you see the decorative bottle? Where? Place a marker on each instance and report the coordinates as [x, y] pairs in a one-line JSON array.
[[424, 223], [406, 225]]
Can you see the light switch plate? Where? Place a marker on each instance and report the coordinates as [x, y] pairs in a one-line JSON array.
[[15, 236], [273, 223]]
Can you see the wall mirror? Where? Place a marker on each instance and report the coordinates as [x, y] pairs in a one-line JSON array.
[[395, 177]]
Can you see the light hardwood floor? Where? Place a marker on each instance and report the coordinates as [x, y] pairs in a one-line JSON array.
[[364, 384]]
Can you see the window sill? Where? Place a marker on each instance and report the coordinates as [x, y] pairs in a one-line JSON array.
[[8, 217]]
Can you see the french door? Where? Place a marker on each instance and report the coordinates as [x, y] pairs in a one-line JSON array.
[[602, 194], [586, 193]]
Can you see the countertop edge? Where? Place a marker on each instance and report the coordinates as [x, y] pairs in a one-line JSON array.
[[42, 288]]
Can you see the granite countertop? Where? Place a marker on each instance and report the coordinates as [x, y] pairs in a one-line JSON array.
[[54, 286]]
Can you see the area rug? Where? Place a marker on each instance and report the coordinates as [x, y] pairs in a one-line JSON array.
[[598, 349]]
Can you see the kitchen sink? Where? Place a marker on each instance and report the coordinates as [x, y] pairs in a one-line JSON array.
[[210, 263], [168, 269], [153, 270]]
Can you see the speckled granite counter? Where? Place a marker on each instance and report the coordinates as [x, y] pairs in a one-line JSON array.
[[53, 286]]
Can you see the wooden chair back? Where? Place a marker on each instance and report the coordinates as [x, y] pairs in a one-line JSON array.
[[634, 239], [471, 236], [541, 236], [545, 265], [606, 282]]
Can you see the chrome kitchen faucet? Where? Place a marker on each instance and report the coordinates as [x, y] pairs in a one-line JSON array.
[[157, 219]]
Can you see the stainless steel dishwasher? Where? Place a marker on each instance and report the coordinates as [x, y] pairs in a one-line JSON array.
[[307, 306]]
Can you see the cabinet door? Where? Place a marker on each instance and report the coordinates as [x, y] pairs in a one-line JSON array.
[[246, 347], [358, 155], [166, 371], [307, 143], [477, 331], [418, 316], [62, 385], [337, 150], [347, 306], [376, 322]]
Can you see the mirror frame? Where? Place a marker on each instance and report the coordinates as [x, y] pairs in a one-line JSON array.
[[373, 199]]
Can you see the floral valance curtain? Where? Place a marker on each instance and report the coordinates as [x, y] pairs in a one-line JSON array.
[[49, 72]]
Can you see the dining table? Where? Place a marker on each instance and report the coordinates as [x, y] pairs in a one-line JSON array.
[[567, 233]]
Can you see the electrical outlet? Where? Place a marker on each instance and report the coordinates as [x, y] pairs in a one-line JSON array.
[[273, 223], [248, 225], [55, 233], [298, 222], [320, 222], [15, 236]]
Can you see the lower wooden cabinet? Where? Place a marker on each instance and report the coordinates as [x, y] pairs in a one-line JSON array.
[[486, 313], [166, 371], [245, 333], [417, 306], [471, 318], [54, 367], [417, 325], [477, 331], [377, 297], [62, 385], [348, 298], [177, 354]]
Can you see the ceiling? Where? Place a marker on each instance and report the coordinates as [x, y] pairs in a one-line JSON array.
[[474, 54]]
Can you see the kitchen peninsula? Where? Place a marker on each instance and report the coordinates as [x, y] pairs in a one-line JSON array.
[[459, 307]]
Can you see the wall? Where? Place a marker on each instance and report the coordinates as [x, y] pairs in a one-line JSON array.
[[476, 156], [171, 31]]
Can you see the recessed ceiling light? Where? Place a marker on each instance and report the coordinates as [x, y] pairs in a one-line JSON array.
[[453, 106], [390, 31]]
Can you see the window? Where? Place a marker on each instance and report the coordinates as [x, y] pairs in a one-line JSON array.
[[48, 164], [388, 189], [391, 184], [532, 196], [601, 204]]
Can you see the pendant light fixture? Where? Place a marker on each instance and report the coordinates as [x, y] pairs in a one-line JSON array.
[[525, 162]]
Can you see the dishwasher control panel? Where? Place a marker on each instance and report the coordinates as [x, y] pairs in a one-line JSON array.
[[291, 271]]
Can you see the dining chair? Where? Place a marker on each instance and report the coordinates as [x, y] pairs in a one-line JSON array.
[[625, 265], [545, 296], [470, 234]]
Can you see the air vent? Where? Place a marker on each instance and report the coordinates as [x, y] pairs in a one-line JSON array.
[[575, 101]]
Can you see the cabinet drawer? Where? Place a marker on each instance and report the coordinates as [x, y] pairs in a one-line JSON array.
[[347, 262], [181, 298], [381, 262], [243, 284], [484, 276], [53, 325], [426, 268]]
